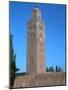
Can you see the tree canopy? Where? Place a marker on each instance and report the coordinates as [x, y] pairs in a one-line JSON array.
[[52, 69], [13, 68]]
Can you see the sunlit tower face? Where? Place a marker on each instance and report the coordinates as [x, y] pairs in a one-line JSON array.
[[36, 44]]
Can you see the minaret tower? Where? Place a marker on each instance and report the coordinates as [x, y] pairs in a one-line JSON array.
[[36, 44]]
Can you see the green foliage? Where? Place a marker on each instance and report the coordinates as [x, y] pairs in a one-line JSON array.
[[47, 69], [51, 69], [56, 69], [13, 68]]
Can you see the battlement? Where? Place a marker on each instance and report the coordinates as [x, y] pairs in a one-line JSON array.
[[47, 79]]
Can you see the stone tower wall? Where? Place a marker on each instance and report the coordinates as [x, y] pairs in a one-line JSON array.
[[48, 79], [36, 44]]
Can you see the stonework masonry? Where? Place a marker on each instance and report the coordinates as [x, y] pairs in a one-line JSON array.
[[36, 74], [36, 44], [47, 79]]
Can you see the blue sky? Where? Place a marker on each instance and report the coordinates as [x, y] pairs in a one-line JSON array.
[[53, 16]]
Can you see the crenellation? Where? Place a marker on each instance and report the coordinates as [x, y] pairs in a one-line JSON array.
[[43, 79]]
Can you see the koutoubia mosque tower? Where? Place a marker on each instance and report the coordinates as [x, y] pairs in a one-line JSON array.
[[36, 74], [36, 44]]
